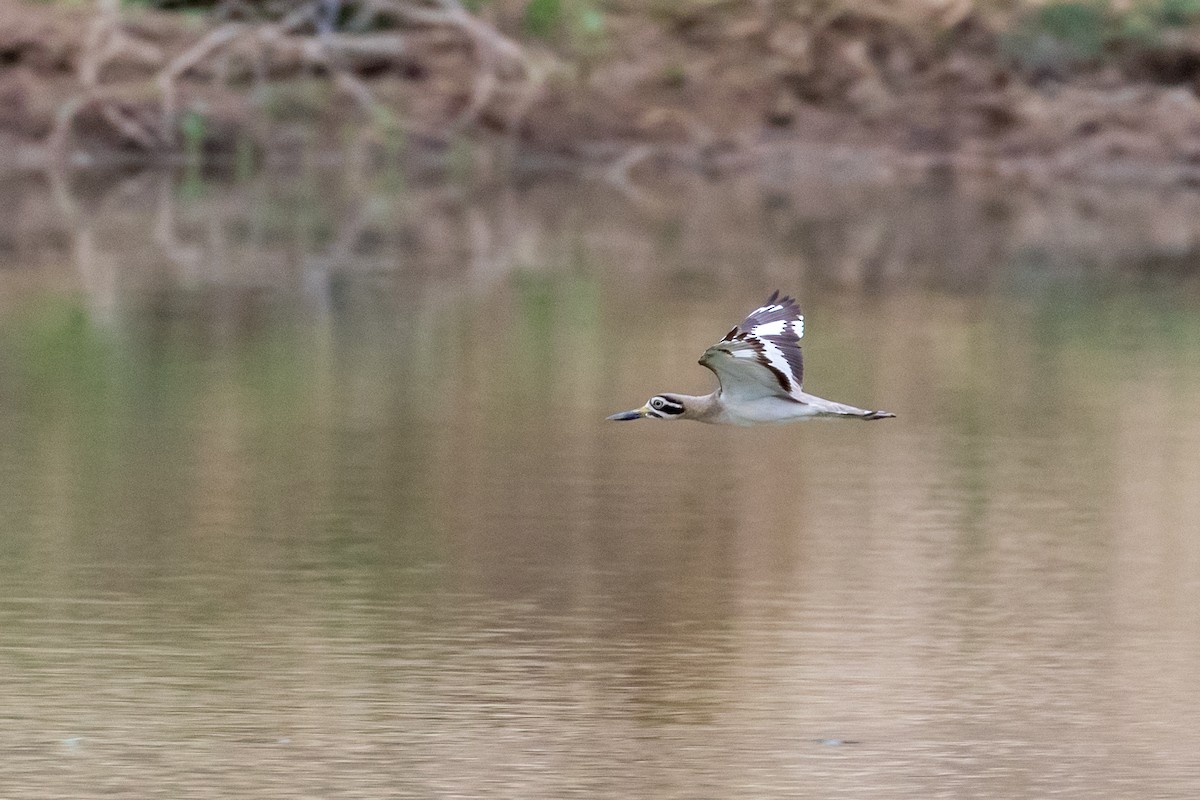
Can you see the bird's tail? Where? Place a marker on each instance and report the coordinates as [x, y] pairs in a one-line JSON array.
[[844, 410], [828, 408]]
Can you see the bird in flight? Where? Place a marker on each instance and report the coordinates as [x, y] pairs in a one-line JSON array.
[[760, 371]]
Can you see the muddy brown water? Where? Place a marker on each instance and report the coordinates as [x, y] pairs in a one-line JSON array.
[[306, 491]]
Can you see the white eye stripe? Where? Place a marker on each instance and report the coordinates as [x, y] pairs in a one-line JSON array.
[[660, 406]]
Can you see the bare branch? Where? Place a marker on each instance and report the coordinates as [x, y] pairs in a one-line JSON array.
[[500, 64], [128, 126], [189, 58], [490, 47]]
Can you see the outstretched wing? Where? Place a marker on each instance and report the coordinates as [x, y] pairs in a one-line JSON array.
[[761, 356]]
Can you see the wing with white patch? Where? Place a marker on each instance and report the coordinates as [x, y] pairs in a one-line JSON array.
[[761, 356]]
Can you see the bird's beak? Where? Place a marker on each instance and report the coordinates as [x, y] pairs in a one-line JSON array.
[[637, 413]]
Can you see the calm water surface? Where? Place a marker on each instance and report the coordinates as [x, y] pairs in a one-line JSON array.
[[306, 491]]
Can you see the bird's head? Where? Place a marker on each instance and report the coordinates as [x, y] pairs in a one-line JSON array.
[[661, 406]]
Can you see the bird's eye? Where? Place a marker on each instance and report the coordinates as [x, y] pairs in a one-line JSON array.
[[657, 403]]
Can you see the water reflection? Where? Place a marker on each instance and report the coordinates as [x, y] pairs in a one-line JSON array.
[[319, 230], [308, 491]]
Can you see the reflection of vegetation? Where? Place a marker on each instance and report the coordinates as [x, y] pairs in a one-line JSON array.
[[60, 356], [170, 424]]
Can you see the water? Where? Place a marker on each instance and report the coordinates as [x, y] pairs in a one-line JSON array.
[[306, 492]]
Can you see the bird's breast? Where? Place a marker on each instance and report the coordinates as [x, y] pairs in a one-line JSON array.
[[765, 411]]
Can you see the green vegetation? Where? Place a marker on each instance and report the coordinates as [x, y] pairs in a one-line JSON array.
[[1062, 36], [542, 17], [194, 128]]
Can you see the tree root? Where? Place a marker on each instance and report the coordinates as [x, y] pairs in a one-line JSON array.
[[499, 64], [493, 51]]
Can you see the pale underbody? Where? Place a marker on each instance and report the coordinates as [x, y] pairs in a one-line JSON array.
[[771, 409]]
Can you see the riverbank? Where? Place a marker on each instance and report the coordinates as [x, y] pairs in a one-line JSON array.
[[1095, 91]]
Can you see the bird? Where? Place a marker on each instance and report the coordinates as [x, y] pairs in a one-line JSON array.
[[760, 372]]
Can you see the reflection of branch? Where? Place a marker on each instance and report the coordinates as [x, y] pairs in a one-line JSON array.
[[187, 258], [350, 232], [64, 118], [99, 273], [60, 190], [620, 175]]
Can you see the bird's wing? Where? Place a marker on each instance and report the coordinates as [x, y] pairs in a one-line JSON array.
[[761, 356]]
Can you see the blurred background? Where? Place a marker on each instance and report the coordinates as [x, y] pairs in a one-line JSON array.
[[311, 314]]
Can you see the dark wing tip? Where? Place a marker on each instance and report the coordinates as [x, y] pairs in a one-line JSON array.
[[879, 415], [773, 309], [788, 307]]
